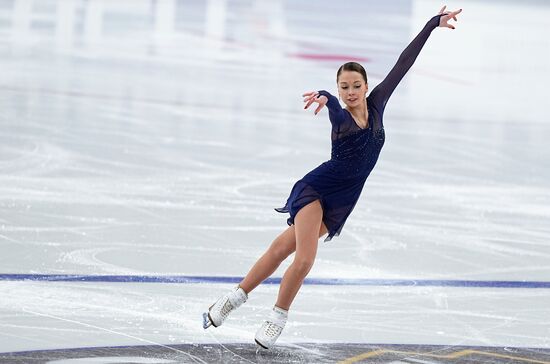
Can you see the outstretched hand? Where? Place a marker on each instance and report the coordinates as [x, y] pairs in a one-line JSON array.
[[444, 20], [313, 96]]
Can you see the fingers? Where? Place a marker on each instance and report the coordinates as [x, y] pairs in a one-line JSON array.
[[453, 14], [309, 98], [442, 9], [309, 102], [447, 25], [444, 22], [309, 93], [313, 96], [318, 108]]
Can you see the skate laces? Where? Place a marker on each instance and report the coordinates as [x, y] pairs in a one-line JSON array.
[[230, 302], [271, 329], [274, 325], [238, 297], [226, 309]]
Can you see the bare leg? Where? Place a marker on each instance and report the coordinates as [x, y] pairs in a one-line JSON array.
[[308, 222], [280, 249]]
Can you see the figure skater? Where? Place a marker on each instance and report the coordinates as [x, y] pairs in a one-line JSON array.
[[321, 201]]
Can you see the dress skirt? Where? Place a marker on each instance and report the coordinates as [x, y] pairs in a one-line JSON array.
[[337, 196]]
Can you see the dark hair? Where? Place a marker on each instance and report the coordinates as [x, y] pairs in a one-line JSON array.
[[352, 66]]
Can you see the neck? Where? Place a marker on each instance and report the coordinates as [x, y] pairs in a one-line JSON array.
[[360, 109]]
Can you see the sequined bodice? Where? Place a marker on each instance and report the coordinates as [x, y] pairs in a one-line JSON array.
[[357, 152]]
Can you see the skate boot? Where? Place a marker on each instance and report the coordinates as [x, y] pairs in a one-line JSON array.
[[271, 328], [218, 312]]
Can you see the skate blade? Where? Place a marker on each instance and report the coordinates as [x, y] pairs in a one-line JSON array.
[[206, 323], [261, 345]]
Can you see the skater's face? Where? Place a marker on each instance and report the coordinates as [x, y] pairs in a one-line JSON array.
[[352, 88]]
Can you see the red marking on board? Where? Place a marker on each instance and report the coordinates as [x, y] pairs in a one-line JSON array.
[[330, 57]]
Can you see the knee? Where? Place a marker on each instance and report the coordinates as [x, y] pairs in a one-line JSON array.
[[280, 252], [302, 265]]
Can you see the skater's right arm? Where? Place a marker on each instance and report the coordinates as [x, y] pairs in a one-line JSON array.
[[322, 97]]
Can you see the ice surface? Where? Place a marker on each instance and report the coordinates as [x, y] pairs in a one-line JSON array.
[[157, 137]]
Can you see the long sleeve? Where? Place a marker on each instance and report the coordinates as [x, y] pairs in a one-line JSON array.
[[383, 91], [335, 111]]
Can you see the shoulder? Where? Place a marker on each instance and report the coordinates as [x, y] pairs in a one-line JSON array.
[[374, 99], [374, 92]]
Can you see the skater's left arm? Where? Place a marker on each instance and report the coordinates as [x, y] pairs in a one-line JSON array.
[[383, 91]]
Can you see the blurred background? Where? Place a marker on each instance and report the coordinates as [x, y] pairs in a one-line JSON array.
[[156, 138]]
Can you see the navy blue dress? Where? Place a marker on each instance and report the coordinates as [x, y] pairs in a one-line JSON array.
[[338, 182]]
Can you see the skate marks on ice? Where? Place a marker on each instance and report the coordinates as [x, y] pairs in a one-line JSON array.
[[303, 353]]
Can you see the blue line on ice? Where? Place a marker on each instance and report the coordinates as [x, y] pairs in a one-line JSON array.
[[308, 281]]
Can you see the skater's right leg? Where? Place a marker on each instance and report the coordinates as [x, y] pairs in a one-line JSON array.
[[280, 249], [308, 221]]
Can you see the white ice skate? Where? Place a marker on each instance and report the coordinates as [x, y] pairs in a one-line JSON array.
[[271, 328], [218, 312]]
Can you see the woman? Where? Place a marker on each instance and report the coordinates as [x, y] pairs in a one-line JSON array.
[[321, 201]]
